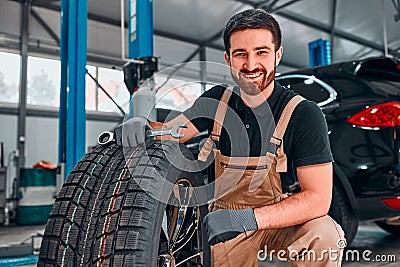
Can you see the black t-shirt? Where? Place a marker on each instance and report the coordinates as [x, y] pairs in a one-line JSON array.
[[305, 141]]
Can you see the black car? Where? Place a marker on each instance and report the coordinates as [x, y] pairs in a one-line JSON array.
[[361, 103]]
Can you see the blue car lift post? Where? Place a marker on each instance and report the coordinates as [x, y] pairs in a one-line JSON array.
[[17, 254], [72, 114], [140, 64]]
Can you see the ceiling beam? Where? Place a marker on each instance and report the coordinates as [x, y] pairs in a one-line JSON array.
[[326, 28], [286, 14], [246, 2], [45, 26], [284, 5], [186, 39], [160, 33], [214, 37], [267, 5], [115, 22], [219, 34]]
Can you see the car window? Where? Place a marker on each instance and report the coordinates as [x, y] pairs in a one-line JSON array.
[[307, 88]]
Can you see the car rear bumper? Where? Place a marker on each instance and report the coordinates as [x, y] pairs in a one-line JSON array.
[[375, 209]]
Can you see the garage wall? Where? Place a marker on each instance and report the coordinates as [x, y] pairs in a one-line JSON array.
[[42, 136]]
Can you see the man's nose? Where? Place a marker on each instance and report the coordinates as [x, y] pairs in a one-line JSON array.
[[251, 63]]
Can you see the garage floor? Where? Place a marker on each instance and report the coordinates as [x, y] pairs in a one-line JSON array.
[[369, 237]]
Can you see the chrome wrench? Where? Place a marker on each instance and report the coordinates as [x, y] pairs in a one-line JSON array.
[[173, 131], [107, 136]]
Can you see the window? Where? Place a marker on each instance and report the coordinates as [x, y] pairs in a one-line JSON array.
[[113, 82], [91, 90], [176, 94], [9, 77], [43, 82], [44, 78]]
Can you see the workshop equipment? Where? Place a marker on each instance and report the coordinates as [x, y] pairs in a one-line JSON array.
[[36, 195]]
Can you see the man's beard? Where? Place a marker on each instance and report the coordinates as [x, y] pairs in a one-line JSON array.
[[249, 87]]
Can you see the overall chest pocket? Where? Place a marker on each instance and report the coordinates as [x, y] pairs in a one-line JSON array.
[[247, 186]]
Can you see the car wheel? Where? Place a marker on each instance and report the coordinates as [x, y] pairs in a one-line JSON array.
[[341, 212], [104, 215], [391, 225]]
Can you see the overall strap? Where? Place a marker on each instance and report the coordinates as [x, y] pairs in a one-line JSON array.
[[280, 130], [220, 114], [207, 147]]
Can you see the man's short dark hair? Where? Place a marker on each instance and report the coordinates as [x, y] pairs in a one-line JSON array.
[[252, 19]]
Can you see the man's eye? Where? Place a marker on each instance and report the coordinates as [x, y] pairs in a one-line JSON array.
[[240, 54], [262, 52]]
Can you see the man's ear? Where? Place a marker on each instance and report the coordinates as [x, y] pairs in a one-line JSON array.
[[278, 58], [227, 58]]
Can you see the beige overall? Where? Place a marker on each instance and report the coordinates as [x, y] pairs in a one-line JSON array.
[[250, 182]]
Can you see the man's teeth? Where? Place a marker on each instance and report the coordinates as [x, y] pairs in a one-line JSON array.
[[251, 76]]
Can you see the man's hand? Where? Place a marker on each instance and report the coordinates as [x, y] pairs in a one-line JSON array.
[[223, 225], [132, 132]]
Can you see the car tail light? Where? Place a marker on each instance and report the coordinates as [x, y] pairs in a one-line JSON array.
[[394, 203], [381, 115]]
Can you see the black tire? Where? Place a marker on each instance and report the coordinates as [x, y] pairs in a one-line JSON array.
[[102, 216], [341, 212], [390, 227]]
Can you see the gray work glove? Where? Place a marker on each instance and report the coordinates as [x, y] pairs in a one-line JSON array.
[[223, 225], [132, 132]]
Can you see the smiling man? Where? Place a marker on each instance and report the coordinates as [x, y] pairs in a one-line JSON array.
[[258, 213]]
